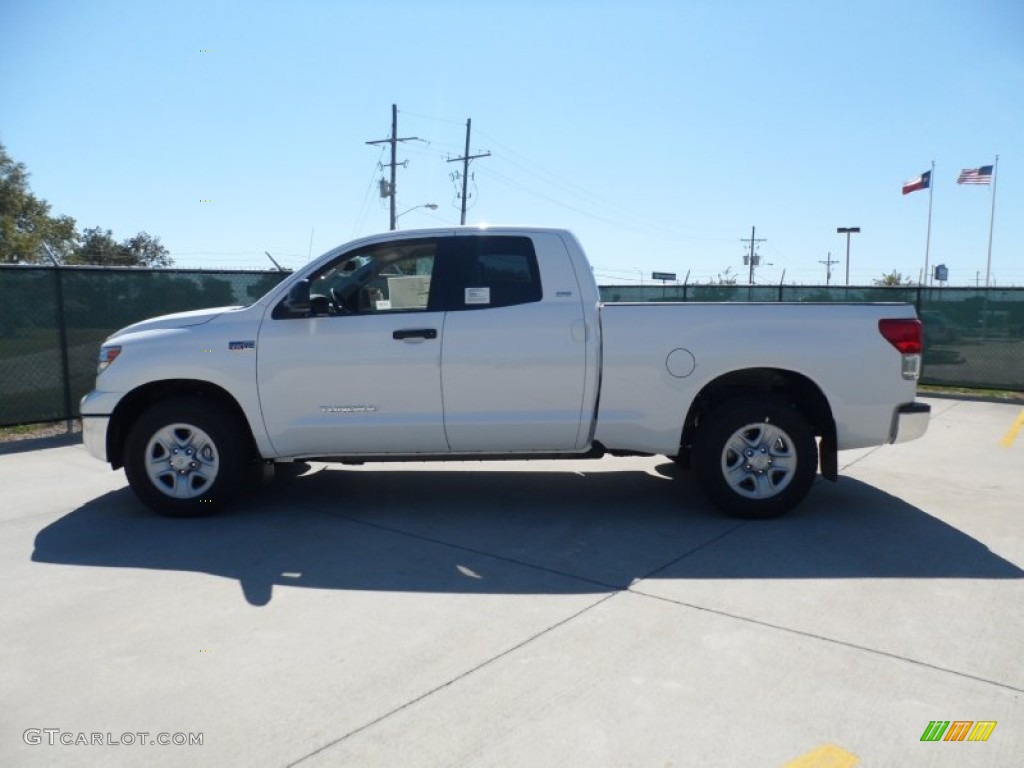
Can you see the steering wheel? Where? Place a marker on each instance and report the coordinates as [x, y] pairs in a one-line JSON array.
[[339, 303]]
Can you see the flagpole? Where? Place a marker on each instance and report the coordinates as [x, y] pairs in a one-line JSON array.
[[991, 222], [928, 237]]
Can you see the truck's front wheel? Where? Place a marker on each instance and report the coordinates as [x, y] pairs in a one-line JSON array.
[[182, 457], [755, 458]]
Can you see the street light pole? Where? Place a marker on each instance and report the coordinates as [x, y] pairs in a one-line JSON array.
[[431, 206], [847, 231]]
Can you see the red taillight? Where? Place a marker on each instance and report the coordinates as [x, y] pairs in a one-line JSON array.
[[905, 335]]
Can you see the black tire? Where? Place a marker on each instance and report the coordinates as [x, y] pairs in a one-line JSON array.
[[184, 457], [755, 457]]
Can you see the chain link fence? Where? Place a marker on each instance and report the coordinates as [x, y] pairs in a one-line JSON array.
[[53, 320], [973, 337]]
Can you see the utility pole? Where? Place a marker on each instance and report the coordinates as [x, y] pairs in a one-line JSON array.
[[393, 141], [752, 259], [465, 167], [829, 261]]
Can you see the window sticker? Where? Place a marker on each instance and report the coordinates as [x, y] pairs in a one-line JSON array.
[[478, 295]]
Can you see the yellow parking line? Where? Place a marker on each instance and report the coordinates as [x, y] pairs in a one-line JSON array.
[[1010, 436], [826, 756]]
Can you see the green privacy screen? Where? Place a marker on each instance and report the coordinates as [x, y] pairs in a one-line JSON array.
[[973, 337], [53, 320]]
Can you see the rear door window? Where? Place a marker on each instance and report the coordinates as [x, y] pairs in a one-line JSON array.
[[496, 271]]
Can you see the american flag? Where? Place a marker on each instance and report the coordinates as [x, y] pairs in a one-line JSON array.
[[981, 175]]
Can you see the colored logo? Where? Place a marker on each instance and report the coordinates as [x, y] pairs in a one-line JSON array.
[[958, 730]]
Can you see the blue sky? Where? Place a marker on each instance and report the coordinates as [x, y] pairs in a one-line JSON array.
[[659, 132]]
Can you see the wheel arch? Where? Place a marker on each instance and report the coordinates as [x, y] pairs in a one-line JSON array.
[[800, 391], [133, 404]]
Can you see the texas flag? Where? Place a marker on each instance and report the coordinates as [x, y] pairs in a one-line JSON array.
[[921, 182]]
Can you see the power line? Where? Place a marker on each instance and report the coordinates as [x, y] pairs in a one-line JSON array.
[[366, 196], [435, 119], [548, 177], [513, 183], [584, 194]]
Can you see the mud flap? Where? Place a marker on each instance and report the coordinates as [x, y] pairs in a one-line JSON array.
[[828, 457]]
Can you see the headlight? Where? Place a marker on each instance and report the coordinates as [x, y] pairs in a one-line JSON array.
[[107, 356]]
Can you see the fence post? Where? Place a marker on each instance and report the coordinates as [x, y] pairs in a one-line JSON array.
[[62, 330]]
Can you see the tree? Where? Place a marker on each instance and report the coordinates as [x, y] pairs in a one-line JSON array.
[[148, 251], [893, 278], [26, 224], [724, 278], [720, 288], [25, 221], [99, 247]]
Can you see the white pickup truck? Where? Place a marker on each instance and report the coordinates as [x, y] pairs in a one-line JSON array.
[[474, 343]]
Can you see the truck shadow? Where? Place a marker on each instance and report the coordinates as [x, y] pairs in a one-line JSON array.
[[514, 532]]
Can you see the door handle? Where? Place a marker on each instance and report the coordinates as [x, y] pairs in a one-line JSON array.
[[415, 333]]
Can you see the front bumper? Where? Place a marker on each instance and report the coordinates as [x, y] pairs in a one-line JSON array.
[[910, 422], [96, 408], [94, 435]]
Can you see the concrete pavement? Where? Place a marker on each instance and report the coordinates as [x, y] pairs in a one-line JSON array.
[[521, 614]]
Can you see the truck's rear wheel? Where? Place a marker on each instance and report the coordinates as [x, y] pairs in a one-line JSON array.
[[183, 457], [755, 457]]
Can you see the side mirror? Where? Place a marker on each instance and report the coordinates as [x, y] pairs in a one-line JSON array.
[[298, 301]]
